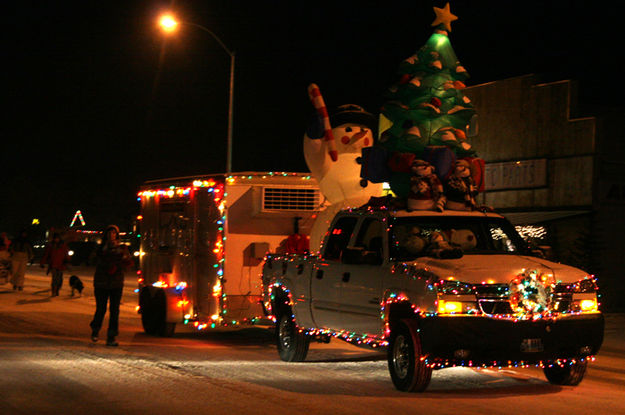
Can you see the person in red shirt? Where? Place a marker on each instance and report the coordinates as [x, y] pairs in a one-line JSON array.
[[56, 256]]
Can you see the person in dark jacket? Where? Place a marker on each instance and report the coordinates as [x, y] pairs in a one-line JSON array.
[[56, 256], [108, 282]]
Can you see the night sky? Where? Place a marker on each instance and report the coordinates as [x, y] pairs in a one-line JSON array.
[[100, 101]]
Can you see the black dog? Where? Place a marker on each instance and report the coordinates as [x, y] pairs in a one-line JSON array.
[[76, 284]]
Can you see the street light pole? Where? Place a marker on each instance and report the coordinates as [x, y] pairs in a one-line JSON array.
[[230, 111], [169, 24]]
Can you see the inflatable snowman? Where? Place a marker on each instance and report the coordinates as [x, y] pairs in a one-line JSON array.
[[332, 145]]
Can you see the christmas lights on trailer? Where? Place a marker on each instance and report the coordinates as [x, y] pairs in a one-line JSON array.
[[203, 240]]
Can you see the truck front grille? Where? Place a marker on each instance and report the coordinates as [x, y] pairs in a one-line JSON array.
[[495, 306]]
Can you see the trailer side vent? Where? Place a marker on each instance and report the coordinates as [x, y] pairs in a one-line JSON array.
[[290, 199]]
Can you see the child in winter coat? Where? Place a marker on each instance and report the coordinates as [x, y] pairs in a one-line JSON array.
[[56, 256], [21, 253]]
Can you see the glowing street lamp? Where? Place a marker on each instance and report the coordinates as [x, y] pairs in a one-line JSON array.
[[169, 24]]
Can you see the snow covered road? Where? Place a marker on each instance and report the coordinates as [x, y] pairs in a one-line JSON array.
[[48, 365]]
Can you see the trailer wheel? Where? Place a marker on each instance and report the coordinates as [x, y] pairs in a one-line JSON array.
[[159, 309], [406, 363], [292, 344], [154, 314], [570, 375], [167, 329], [147, 315]]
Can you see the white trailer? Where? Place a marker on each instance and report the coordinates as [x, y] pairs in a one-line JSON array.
[[203, 241]]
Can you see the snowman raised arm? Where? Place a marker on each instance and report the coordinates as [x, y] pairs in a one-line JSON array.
[[332, 146]]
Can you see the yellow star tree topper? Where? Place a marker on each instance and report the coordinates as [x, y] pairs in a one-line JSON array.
[[444, 17]]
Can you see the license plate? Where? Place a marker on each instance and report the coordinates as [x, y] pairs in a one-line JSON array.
[[532, 345]]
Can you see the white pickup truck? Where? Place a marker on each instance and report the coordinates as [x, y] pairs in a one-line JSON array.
[[436, 290]]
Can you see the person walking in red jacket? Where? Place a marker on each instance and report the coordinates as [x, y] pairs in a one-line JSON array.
[[56, 256]]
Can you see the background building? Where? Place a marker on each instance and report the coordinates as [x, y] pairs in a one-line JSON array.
[[559, 174]]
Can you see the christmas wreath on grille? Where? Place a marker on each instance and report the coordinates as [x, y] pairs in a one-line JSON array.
[[530, 293]]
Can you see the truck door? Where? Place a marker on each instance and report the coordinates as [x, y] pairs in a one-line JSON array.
[[327, 275], [361, 288]]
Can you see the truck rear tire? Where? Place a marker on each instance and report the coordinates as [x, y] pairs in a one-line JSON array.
[[292, 344], [406, 365], [570, 375]]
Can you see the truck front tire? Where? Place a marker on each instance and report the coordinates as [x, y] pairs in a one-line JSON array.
[[569, 375], [292, 344], [406, 364]]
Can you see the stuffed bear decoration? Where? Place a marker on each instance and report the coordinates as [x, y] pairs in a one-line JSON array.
[[414, 243], [463, 238], [426, 190], [459, 188], [439, 247]]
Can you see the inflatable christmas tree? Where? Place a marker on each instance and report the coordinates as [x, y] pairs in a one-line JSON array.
[[425, 117]]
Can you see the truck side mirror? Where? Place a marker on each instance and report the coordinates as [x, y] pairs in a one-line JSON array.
[[373, 258], [541, 251], [353, 256]]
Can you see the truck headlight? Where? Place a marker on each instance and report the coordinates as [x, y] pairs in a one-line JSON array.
[[449, 307], [582, 295], [454, 306], [455, 297], [588, 305]]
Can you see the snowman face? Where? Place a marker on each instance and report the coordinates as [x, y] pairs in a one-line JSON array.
[[350, 138]]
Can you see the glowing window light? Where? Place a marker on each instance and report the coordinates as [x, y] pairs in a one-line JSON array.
[[531, 231]]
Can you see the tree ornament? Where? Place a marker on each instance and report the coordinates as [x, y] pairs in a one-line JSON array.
[[436, 64], [404, 79]]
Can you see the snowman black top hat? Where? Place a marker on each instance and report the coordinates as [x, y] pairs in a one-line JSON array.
[[352, 114]]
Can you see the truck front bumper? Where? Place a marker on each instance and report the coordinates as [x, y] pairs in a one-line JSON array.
[[485, 341]]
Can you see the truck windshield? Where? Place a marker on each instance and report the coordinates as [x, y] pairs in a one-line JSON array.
[[413, 237]]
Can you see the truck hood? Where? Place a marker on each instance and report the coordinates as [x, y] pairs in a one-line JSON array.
[[496, 269]]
